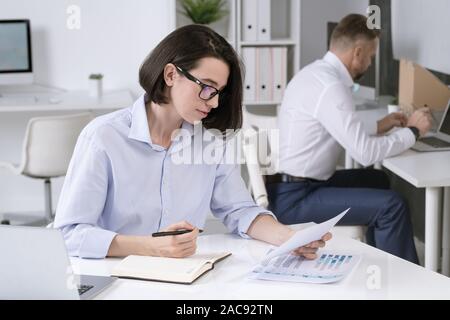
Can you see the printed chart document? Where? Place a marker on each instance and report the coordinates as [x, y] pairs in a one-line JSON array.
[[279, 264], [328, 267]]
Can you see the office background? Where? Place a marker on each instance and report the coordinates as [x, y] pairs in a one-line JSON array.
[[113, 39]]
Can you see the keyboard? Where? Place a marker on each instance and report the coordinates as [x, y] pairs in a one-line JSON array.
[[84, 288], [435, 142]]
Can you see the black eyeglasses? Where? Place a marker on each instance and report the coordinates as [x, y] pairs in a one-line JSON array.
[[207, 92]]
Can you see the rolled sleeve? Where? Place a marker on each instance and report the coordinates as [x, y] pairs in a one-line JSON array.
[[82, 202], [246, 221], [87, 241], [231, 202]]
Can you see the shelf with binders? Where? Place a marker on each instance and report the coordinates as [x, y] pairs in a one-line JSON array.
[[267, 72], [268, 43], [268, 22]]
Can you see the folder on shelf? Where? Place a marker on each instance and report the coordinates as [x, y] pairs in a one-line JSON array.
[[250, 20], [264, 74], [279, 72], [248, 57], [175, 270], [264, 20]]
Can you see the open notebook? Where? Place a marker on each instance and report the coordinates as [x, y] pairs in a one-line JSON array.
[[176, 270]]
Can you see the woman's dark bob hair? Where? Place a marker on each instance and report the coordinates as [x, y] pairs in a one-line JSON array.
[[184, 47]]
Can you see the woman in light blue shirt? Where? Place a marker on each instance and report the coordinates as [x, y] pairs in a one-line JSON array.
[[126, 181]]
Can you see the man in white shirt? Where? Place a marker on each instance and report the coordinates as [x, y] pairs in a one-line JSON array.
[[317, 122]]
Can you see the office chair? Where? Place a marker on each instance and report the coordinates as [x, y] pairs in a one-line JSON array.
[[256, 179], [47, 149]]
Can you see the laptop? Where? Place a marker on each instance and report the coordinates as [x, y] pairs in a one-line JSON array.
[[439, 141], [34, 265]]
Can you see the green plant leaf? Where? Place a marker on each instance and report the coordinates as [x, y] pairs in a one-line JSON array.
[[96, 76], [204, 11]]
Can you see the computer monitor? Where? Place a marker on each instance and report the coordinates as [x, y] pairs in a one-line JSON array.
[[368, 83], [15, 52]]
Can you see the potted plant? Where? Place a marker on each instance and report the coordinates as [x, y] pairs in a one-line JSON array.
[[95, 85], [393, 106], [204, 11]]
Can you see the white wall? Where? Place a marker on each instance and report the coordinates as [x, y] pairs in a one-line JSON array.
[[315, 14], [114, 38], [424, 40]]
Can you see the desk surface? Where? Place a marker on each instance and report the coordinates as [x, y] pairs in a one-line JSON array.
[[378, 276], [421, 169], [66, 101]]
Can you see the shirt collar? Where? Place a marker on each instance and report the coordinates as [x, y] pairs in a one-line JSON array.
[[344, 74], [139, 125], [139, 129]]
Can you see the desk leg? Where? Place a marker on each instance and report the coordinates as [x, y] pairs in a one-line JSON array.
[[446, 233], [432, 197]]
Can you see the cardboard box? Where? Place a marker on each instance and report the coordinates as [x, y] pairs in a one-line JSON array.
[[418, 87]]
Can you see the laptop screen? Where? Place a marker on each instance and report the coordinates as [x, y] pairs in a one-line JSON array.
[[445, 126]]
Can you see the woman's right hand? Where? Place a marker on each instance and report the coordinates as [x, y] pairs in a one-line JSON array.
[[179, 246]]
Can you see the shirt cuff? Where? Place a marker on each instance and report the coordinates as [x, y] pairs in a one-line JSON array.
[[244, 224], [95, 243], [407, 136]]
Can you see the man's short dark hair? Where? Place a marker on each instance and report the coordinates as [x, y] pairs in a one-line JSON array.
[[351, 28]]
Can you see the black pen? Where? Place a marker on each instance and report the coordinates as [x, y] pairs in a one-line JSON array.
[[173, 233]]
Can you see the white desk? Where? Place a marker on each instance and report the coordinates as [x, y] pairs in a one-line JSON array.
[[379, 276], [429, 170], [66, 101]]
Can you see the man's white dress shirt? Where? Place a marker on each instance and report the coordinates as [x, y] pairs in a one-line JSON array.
[[317, 122]]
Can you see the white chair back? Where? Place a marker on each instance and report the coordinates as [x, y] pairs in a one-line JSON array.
[[252, 161], [49, 143]]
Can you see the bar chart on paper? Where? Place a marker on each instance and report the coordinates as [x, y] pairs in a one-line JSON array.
[[328, 267]]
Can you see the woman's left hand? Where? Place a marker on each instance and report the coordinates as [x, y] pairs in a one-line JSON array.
[[309, 251]]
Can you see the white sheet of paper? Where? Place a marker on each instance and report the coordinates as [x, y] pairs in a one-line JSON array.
[[305, 236]]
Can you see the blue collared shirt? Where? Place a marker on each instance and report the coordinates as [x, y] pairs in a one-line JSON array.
[[119, 182]]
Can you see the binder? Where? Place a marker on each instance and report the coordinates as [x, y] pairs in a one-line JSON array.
[[279, 72], [249, 59], [264, 17], [249, 20], [264, 74]]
